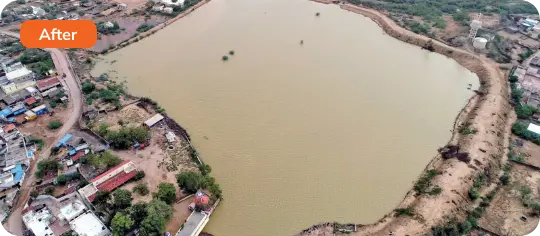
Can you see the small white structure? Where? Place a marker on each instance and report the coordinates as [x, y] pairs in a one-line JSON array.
[[168, 10], [480, 43], [170, 136], [173, 2], [153, 120], [534, 128], [89, 225], [108, 24], [158, 8]]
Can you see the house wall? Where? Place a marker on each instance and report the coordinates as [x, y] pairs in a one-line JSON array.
[[15, 87]]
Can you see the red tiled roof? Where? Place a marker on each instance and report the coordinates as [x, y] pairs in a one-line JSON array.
[[29, 101], [109, 171], [9, 127], [47, 82], [116, 181], [77, 156], [91, 197], [20, 118]]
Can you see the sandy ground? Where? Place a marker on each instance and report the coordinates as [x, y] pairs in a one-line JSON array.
[[530, 151], [489, 113], [506, 209], [38, 127], [180, 215]]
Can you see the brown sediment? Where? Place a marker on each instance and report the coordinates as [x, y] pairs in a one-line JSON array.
[[489, 112]]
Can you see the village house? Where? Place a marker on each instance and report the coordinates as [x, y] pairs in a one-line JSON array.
[[110, 180], [45, 84], [59, 215]]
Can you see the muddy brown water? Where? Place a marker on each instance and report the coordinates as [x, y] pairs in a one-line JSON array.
[[335, 129]]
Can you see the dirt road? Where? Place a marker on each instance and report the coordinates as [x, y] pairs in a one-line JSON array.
[[489, 113], [62, 64]]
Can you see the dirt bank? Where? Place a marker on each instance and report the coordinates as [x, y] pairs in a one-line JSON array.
[[488, 112]]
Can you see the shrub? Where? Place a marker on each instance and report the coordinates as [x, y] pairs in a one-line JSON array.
[[49, 190], [409, 211], [88, 87], [37, 141], [55, 124], [423, 185], [225, 58], [139, 175], [505, 179], [166, 192], [231, 52], [513, 79], [141, 189], [53, 104]]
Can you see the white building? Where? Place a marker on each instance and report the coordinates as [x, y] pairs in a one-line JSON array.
[[38, 222], [158, 8], [173, 2], [168, 10], [72, 210], [108, 24], [89, 224], [19, 74]]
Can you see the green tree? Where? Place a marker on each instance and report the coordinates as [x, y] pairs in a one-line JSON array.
[[121, 224], [138, 212], [190, 181], [122, 198], [160, 208], [152, 225], [54, 124], [141, 189], [102, 197], [525, 111], [166, 192], [88, 87]]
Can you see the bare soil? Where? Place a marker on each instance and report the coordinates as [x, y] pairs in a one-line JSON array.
[[489, 113], [38, 127], [504, 214]]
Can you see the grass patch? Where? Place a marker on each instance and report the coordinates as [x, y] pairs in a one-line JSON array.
[[424, 185]]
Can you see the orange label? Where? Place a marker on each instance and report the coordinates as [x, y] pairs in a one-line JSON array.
[[58, 33]]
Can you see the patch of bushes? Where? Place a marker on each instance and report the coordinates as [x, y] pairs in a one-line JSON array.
[[46, 166], [37, 141], [126, 137], [424, 185], [54, 124], [141, 189], [144, 27], [63, 179], [409, 211]]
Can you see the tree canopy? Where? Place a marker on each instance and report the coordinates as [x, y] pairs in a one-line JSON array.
[[138, 212], [160, 208], [166, 192], [191, 181], [121, 224], [122, 199]]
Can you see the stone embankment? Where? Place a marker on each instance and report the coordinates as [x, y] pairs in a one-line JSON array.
[[489, 112]]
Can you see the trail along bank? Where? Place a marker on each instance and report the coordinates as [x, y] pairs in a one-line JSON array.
[[490, 113], [332, 129]]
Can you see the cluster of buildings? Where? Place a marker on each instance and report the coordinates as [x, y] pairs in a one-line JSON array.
[[166, 6], [49, 216], [68, 10]]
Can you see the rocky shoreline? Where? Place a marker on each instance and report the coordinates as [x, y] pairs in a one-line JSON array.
[[488, 111]]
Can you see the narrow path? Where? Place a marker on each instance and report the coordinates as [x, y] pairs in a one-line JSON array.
[[62, 64]]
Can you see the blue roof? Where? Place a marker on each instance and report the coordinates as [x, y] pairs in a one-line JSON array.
[[72, 152], [6, 112], [63, 140], [29, 154], [18, 172]]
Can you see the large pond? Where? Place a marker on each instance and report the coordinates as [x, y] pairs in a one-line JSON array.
[[335, 129]]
